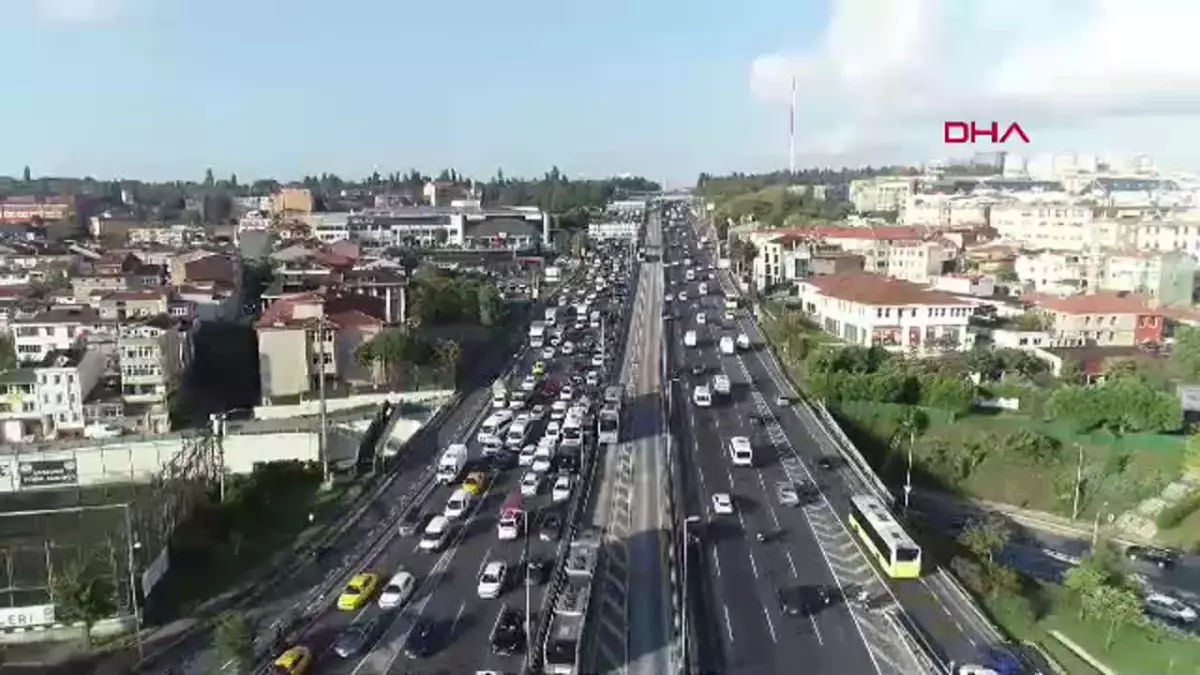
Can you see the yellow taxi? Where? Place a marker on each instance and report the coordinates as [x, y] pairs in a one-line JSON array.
[[294, 661], [475, 483], [539, 369], [358, 591]]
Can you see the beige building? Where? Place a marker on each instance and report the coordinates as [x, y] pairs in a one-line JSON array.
[[290, 336], [131, 305], [293, 200], [1103, 319]]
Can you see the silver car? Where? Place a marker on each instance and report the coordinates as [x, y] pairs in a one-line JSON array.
[[787, 494]]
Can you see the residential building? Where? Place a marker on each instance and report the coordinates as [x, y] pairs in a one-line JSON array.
[[832, 192], [1052, 272], [329, 227], [1103, 319], [1180, 233], [614, 229], [1059, 223], [882, 193], [442, 193], [130, 305], [917, 261], [297, 329], [946, 210], [174, 236], [1168, 279], [54, 330], [46, 399], [783, 259], [293, 200], [83, 287], [835, 262], [152, 355], [867, 309]]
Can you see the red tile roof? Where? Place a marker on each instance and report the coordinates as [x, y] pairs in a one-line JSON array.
[[872, 289], [345, 310], [1096, 303]]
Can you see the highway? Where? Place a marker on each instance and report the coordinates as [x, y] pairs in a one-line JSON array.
[[629, 628], [950, 625], [744, 574]]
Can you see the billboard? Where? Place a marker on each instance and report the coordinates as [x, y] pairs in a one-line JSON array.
[[47, 473], [26, 617]]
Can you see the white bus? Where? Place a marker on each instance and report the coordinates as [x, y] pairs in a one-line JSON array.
[[741, 453]]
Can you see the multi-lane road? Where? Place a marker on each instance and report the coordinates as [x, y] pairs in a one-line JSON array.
[[807, 546], [629, 626]]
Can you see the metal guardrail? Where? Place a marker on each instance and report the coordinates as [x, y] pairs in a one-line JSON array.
[[850, 452], [914, 641]]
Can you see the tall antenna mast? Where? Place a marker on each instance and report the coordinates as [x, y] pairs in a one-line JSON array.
[[792, 131]]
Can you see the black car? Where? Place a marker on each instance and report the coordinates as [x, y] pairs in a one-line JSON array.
[[411, 522], [805, 600], [698, 369], [1163, 557], [550, 527], [424, 640], [508, 634], [350, 642]]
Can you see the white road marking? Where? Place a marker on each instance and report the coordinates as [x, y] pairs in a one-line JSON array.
[[728, 623]]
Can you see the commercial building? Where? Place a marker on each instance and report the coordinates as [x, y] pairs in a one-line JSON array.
[[904, 317], [436, 227], [614, 229]]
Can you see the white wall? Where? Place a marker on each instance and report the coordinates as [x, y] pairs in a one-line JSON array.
[[309, 408]]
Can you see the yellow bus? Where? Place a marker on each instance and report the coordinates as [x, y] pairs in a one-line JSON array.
[[894, 549]]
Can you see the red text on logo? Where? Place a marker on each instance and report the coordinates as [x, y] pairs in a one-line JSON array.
[[971, 132]]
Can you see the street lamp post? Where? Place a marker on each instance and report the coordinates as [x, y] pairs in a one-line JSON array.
[[130, 546]]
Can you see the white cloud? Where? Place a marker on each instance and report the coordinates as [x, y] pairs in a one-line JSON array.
[[885, 74]]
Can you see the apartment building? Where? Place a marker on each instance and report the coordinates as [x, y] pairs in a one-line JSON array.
[[1103, 319], [882, 193], [1060, 223], [297, 329], [173, 236], [1167, 278], [978, 285], [783, 260], [152, 355], [946, 210], [917, 261], [46, 399], [867, 309], [130, 305], [54, 330]]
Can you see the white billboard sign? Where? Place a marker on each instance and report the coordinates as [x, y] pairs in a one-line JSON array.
[[26, 617]]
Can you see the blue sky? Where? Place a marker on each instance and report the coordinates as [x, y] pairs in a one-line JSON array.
[[165, 89]]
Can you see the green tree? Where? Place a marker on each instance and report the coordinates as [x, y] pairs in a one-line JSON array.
[[448, 354], [8, 352], [1185, 354], [209, 180], [27, 175], [85, 594], [233, 642], [1083, 581], [984, 537], [491, 306], [1191, 457], [1117, 606]]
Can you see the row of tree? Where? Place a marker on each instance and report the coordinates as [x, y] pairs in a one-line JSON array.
[[401, 353], [780, 206], [439, 299]]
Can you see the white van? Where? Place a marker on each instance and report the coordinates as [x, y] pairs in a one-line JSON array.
[[492, 428], [436, 534], [741, 453], [458, 504], [689, 339]]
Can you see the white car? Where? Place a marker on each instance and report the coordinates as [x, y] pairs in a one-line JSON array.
[[548, 353], [592, 379], [1167, 607], [568, 348], [729, 316], [538, 413], [529, 383], [561, 491], [398, 590], [598, 361], [525, 457], [722, 504], [558, 410], [701, 319], [682, 296], [566, 393], [491, 579], [531, 483], [541, 466], [555, 340], [553, 429]]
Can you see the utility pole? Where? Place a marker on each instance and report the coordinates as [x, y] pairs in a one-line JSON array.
[[322, 410], [1078, 483], [130, 545]]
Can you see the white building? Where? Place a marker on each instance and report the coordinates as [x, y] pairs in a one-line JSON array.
[[152, 356], [47, 399], [940, 210], [882, 193], [1057, 223], [978, 285], [917, 261], [866, 309], [57, 329], [1169, 278], [328, 227]]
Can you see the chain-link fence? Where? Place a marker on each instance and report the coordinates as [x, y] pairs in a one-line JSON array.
[[45, 532]]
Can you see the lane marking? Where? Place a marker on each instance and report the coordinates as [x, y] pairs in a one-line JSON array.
[[728, 623]]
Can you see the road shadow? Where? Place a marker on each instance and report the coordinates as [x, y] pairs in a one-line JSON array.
[[641, 417]]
